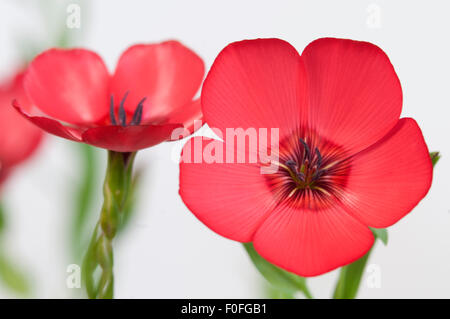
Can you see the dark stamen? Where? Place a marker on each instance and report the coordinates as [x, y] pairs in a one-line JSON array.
[[319, 158], [301, 176], [111, 112], [122, 114], [306, 147], [137, 116], [290, 163], [318, 174]]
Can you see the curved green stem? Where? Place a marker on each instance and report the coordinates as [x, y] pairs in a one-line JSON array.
[[100, 251]]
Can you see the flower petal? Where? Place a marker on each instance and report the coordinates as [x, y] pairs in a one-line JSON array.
[[128, 138], [69, 85], [355, 94], [232, 199], [167, 74], [51, 126], [186, 115], [310, 243], [389, 179], [19, 138], [256, 84]]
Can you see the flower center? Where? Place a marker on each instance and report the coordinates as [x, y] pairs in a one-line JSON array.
[[312, 172], [122, 116]]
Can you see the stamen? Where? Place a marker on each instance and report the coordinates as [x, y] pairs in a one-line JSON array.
[[291, 163], [137, 116], [306, 148], [319, 158], [122, 114], [301, 176], [111, 112]]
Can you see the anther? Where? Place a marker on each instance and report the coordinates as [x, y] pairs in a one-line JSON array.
[[111, 112], [306, 148], [319, 158], [122, 114], [137, 116]]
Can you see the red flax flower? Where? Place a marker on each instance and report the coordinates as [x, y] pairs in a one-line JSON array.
[[18, 138], [346, 162], [150, 94]]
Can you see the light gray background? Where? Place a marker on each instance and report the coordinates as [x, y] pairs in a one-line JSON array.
[[166, 252]]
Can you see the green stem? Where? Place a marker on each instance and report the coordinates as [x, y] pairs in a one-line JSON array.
[[100, 251]]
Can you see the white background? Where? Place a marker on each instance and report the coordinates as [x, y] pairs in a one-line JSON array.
[[166, 252]]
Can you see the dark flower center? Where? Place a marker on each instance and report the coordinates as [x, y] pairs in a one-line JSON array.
[[122, 116], [312, 172]]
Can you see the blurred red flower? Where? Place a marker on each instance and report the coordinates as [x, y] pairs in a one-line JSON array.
[[149, 95], [345, 162], [18, 138]]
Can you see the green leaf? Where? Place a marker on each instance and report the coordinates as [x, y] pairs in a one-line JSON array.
[[381, 234], [288, 283], [350, 276], [84, 199], [435, 156], [12, 277], [274, 293]]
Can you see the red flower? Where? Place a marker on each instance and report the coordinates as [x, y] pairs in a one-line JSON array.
[[150, 94], [346, 160], [18, 138]]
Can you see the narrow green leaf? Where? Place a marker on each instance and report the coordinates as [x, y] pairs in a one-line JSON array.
[[288, 283], [12, 277], [84, 199], [274, 293], [435, 156], [350, 278]]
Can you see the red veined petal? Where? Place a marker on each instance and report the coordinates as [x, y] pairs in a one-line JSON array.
[[232, 199], [389, 179], [168, 74], [128, 138], [312, 242], [51, 126], [355, 94], [69, 85], [186, 115], [256, 84]]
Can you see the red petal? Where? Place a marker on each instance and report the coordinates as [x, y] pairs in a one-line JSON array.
[[231, 199], [356, 97], [187, 115], [388, 179], [19, 138], [310, 243], [256, 83], [167, 74], [51, 126], [128, 138], [69, 85]]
